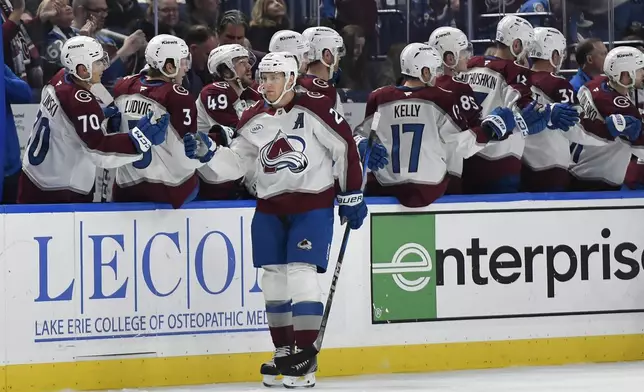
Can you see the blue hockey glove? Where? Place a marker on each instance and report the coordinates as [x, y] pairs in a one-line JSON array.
[[533, 119], [563, 116], [113, 116], [352, 209], [154, 129], [628, 127], [378, 156], [199, 146], [500, 122]]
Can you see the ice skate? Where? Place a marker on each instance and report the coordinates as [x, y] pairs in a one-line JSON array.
[[302, 375], [269, 371]]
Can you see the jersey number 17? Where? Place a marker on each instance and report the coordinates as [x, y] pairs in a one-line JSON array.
[[398, 132]]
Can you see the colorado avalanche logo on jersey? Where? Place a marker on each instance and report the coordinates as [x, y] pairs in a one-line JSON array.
[[284, 152]]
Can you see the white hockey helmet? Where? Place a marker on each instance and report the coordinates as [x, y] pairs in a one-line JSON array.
[[417, 56], [226, 55], [512, 28], [166, 47], [623, 59], [323, 38], [82, 50], [450, 40], [278, 62], [291, 42], [547, 40]]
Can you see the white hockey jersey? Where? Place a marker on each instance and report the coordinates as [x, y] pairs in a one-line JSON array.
[[551, 148], [67, 144], [606, 163], [421, 128], [293, 153], [164, 174]]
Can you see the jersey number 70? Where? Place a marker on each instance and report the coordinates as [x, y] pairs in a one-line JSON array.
[[416, 141]]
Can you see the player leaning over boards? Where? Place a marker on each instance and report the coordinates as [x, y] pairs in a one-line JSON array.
[[502, 81], [295, 44], [546, 156], [421, 124], [611, 114], [219, 108], [295, 142], [455, 50], [164, 174], [69, 138]]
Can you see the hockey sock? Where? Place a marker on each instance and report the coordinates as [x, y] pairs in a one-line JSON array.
[[280, 322], [307, 317]]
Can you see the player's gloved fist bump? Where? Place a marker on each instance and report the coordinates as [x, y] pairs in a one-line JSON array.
[[113, 116], [378, 157], [223, 135], [500, 122], [352, 209], [628, 127], [533, 119], [154, 129], [563, 116], [199, 146]]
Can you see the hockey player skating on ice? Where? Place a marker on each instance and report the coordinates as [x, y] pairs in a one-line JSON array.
[[69, 139], [219, 108], [295, 143], [297, 45]]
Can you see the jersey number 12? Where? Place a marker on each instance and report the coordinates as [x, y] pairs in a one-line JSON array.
[[416, 141]]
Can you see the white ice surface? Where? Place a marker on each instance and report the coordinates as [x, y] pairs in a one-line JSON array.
[[616, 377]]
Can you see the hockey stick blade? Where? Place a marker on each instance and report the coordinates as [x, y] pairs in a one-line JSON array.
[[306, 353]]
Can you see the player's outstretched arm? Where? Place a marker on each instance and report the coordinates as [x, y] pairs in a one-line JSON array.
[[106, 151], [230, 163]]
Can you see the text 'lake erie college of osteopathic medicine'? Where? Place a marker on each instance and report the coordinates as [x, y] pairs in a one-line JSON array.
[[179, 285]]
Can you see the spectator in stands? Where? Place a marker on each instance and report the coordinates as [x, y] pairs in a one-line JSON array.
[[232, 30], [16, 92], [10, 29], [201, 41], [268, 17], [590, 56], [123, 14], [169, 22], [202, 12], [360, 12], [89, 18], [354, 63]]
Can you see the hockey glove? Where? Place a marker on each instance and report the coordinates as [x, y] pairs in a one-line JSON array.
[[628, 127], [500, 122], [563, 116], [154, 129], [533, 119], [224, 135], [199, 146], [378, 157], [352, 208], [113, 117]]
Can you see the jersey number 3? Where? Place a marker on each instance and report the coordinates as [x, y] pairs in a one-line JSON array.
[[39, 145], [416, 141]]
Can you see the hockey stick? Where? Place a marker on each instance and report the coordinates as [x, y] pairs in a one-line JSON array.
[[310, 352], [106, 99]]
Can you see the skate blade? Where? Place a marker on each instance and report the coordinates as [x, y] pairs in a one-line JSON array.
[[271, 381], [307, 381]]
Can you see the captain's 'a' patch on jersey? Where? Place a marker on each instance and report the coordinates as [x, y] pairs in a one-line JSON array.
[[284, 152]]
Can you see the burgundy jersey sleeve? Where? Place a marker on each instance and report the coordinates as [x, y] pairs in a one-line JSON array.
[[122, 87], [83, 110], [338, 138], [518, 78], [218, 99], [458, 106], [182, 109]]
